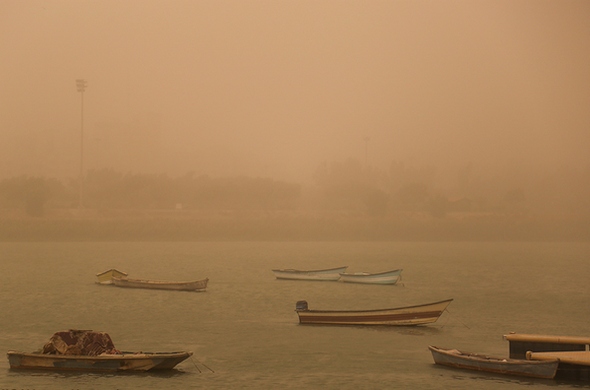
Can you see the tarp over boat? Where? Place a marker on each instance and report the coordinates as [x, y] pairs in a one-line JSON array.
[[80, 342]]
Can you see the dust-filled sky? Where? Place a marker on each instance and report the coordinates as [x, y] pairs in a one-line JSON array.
[[276, 87]]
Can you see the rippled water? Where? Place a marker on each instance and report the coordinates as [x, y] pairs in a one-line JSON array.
[[244, 332]]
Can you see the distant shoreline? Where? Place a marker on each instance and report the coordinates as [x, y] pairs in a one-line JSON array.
[[138, 225]]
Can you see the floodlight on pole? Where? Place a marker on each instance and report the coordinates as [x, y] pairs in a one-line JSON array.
[[81, 85]]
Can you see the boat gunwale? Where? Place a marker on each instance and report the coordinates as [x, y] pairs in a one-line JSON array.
[[297, 271], [126, 355], [540, 338], [366, 274], [161, 282]]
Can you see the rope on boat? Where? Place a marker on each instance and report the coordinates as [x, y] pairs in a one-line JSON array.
[[203, 364], [464, 324], [399, 280], [193, 360]]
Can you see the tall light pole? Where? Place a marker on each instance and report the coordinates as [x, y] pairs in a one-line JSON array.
[[81, 85]]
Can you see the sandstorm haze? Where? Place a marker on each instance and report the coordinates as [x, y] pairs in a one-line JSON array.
[[476, 90]]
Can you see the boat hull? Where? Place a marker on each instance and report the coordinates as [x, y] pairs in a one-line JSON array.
[[331, 274], [196, 285], [402, 316], [126, 361], [469, 361], [389, 277]]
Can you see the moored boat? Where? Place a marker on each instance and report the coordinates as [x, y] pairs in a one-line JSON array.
[[194, 285], [400, 316], [388, 277], [106, 277], [85, 350], [329, 274], [572, 352], [478, 362], [125, 361]]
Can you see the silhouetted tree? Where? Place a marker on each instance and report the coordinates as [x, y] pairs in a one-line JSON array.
[[29, 192], [349, 185], [413, 197], [438, 206]]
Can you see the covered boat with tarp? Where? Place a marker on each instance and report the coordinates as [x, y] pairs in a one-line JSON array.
[[86, 350]]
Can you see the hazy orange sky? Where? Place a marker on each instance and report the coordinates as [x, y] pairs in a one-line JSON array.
[[273, 88]]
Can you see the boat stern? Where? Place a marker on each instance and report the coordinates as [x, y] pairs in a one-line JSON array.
[[301, 306]]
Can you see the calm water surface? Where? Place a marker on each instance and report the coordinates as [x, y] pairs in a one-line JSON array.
[[244, 328]]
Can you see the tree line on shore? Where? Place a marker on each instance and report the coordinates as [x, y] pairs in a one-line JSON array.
[[347, 185]]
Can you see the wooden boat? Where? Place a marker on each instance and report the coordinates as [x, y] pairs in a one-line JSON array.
[[572, 352], [194, 285], [472, 361], [388, 277], [318, 274], [106, 277], [521, 343], [408, 315], [125, 361], [86, 350]]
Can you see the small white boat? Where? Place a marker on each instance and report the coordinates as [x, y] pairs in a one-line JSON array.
[[388, 277], [194, 285], [106, 277], [318, 274]]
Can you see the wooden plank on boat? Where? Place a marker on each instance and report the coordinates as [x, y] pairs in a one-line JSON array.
[[519, 344], [541, 338], [581, 358]]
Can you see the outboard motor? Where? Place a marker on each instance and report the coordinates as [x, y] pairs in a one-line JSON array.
[[301, 306]]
